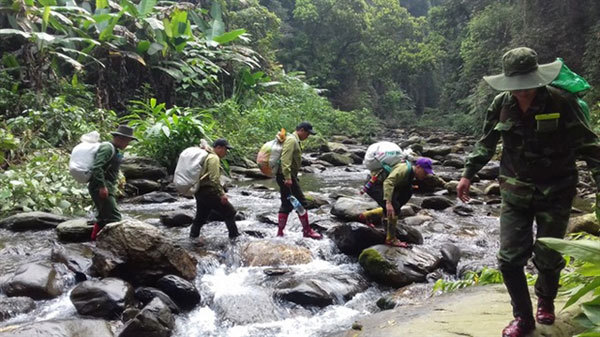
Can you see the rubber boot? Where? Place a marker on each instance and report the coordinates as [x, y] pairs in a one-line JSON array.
[[95, 231], [545, 311], [232, 228], [516, 284], [281, 222], [308, 232], [390, 238]]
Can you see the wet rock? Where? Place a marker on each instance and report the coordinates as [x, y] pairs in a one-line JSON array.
[[143, 186], [451, 186], [182, 292], [268, 218], [153, 198], [356, 159], [140, 253], [142, 168], [13, 306], [146, 294], [409, 234], [440, 150], [430, 184], [350, 208], [76, 230], [32, 221], [271, 253], [314, 201], [412, 140], [454, 162], [407, 210], [360, 152], [492, 189], [247, 306], [337, 147], [489, 171], [451, 255], [77, 258], [177, 218], [353, 238], [463, 210], [106, 298], [585, 223], [36, 280], [321, 290], [417, 148], [397, 267], [437, 203], [336, 159], [60, 328], [154, 320], [417, 220], [254, 172]]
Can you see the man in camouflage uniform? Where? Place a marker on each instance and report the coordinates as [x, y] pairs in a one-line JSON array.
[[210, 195], [287, 179], [105, 174], [543, 132]]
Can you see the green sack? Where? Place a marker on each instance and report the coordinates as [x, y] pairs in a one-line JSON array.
[[573, 83]]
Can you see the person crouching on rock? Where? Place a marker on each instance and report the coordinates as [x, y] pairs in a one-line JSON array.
[[391, 191], [287, 179], [210, 194], [104, 176]]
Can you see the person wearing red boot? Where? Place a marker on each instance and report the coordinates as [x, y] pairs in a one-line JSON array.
[[543, 131], [287, 179]]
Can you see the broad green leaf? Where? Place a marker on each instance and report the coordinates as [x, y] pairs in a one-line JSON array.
[[589, 270], [585, 250], [229, 36], [134, 56], [154, 48], [146, 6], [143, 46], [581, 292], [44, 37], [85, 55], [155, 23], [101, 4], [10, 61], [175, 73], [166, 130], [47, 3], [74, 80], [592, 311], [68, 59], [45, 18], [8, 31]]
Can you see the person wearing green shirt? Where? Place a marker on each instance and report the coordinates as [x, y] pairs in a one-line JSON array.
[[543, 131], [287, 179], [104, 176], [392, 190], [210, 195]]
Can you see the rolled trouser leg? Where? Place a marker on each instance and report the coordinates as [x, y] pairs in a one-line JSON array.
[[516, 242]]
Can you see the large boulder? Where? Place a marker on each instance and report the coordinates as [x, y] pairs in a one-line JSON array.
[[489, 171], [182, 292], [106, 298], [397, 267], [417, 220], [76, 230], [272, 253], [142, 168], [337, 147], [32, 221], [146, 294], [585, 223], [451, 255], [353, 238], [336, 159], [76, 257], [13, 306], [350, 208], [247, 306], [143, 186], [437, 203], [36, 280], [320, 290], [155, 320], [140, 253], [76, 327], [440, 150]]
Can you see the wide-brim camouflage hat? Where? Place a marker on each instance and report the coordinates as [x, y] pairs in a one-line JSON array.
[[124, 131], [522, 71]]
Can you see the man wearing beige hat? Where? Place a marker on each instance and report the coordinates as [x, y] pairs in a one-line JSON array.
[[105, 173], [543, 132]]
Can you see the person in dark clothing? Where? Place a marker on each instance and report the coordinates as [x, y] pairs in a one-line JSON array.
[[105, 174], [543, 131], [210, 195]]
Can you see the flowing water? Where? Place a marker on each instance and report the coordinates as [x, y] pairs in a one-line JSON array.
[[238, 300]]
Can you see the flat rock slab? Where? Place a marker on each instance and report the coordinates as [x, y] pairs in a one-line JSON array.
[[474, 311]]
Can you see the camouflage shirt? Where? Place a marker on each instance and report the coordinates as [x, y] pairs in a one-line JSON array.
[[540, 146], [105, 169]]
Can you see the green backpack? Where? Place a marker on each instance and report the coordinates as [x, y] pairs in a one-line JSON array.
[[573, 83]]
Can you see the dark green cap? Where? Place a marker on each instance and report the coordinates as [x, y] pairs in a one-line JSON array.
[[522, 71]]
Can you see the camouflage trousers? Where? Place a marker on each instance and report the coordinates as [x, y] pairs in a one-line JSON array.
[[106, 208], [517, 245]]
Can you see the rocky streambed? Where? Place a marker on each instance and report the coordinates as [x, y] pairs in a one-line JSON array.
[[145, 277]]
